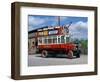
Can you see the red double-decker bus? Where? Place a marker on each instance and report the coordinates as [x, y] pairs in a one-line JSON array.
[[52, 40]]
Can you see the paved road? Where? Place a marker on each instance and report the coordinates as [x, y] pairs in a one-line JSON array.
[[37, 60]]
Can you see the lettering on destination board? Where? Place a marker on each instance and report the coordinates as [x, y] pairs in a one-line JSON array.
[[53, 32]]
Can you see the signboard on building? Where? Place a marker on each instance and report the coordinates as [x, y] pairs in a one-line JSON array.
[[45, 33], [40, 33]]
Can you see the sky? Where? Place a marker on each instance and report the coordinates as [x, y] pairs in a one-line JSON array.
[[78, 28]]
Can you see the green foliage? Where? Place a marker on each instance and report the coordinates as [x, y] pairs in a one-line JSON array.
[[84, 43]]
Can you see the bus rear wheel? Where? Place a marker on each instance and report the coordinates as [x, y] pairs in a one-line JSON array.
[[44, 53], [70, 54]]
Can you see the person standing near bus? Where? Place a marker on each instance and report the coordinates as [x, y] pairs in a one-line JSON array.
[[33, 48], [36, 43]]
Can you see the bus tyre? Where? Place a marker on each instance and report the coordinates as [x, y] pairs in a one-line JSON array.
[[44, 53], [78, 54], [70, 54]]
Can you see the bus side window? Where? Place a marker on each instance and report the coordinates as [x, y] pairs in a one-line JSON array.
[[49, 40], [67, 39], [62, 39], [45, 41], [58, 39], [54, 39]]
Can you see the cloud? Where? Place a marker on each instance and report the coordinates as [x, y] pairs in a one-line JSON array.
[[80, 25], [79, 30], [30, 28], [34, 21]]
